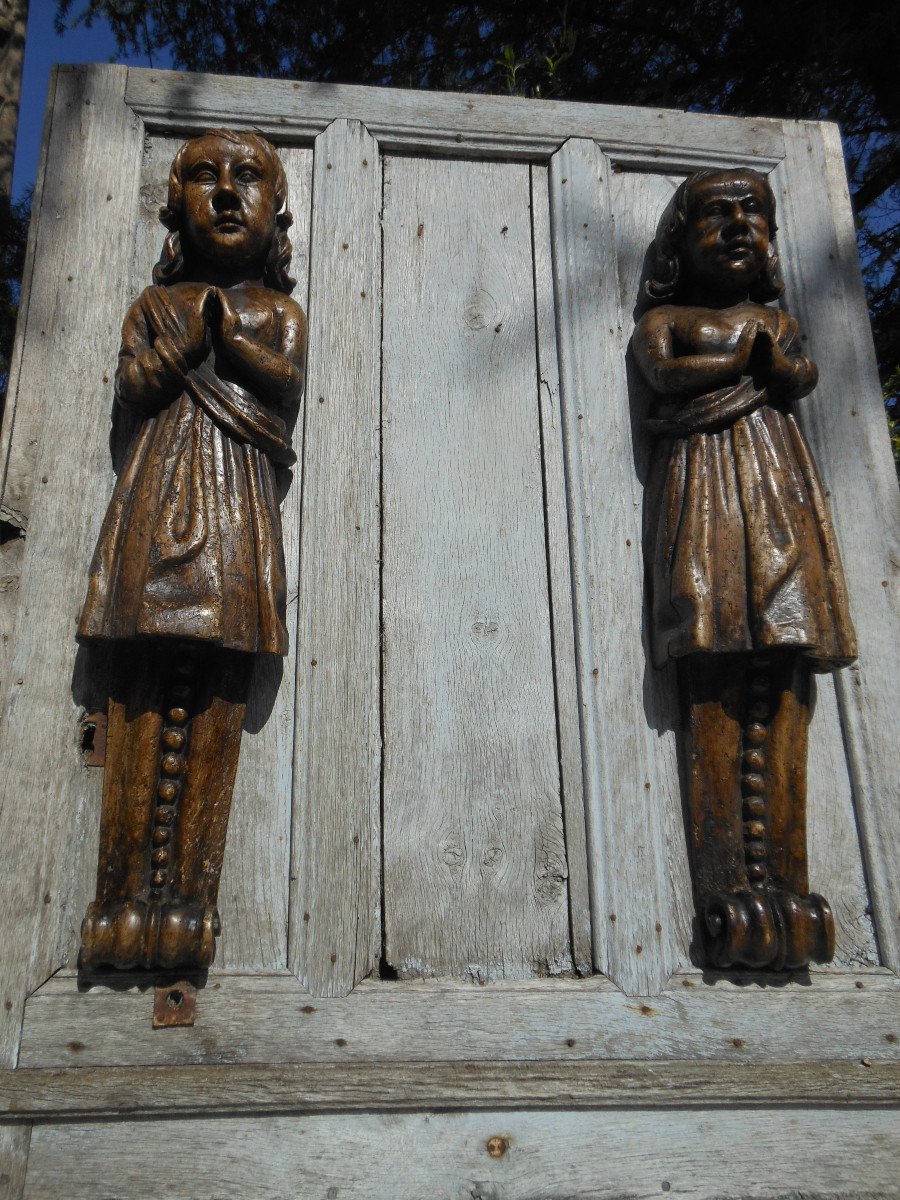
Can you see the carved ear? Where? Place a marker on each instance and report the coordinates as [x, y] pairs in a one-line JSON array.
[[168, 218]]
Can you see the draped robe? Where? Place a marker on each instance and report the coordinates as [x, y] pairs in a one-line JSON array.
[[741, 551], [191, 544]]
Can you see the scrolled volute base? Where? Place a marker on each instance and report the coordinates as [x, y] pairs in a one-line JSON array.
[[135, 933], [775, 930]]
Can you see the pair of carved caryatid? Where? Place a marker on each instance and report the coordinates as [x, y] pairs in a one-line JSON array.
[[188, 578]]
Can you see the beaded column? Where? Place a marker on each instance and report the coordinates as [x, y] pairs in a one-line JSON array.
[[173, 741], [748, 720]]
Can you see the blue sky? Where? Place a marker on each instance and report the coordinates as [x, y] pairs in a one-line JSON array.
[[43, 48]]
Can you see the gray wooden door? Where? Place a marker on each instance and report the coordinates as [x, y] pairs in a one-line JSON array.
[[456, 901]]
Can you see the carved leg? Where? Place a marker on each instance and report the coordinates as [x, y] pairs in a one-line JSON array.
[[173, 741], [748, 719]]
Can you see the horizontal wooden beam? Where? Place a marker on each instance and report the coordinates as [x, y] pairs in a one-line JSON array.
[[497, 127], [82, 1092], [270, 1019]]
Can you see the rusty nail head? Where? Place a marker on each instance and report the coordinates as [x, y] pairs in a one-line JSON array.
[[174, 1004], [497, 1146]]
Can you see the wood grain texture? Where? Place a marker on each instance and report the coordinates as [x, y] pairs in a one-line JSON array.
[[335, 929], [638, 200], [242, 1019], [17, 457], [95, 143], [639, 932], [474, 853], [834, 853], [844, 419], [565, 666], [11, 554], [581, 1156], [348, 1087], [496, 127], [14, 1144]]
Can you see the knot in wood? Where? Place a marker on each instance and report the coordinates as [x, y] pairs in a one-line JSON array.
[[481, 311]]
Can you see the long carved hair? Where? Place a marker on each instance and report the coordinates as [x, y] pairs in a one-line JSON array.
[[667, 245], [171, 268]]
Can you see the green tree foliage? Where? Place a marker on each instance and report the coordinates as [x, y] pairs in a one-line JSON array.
[[814, 59]]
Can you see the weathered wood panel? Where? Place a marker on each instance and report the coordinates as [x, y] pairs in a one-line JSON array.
[[269, 1019], [17, 457], [474, 852], [78, 296], [589, 1155], [497, 127], [128, 1093], [632, 798], [834, 853], [16, 471], [637, 201], [335, 933], [565, 666], [14, 1144], [845, 421], [261, 1044]]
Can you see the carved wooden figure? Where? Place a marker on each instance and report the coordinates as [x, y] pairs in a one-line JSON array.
[[747, 590], [188, 578]]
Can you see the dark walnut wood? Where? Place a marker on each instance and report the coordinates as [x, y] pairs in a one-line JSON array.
[[747, 591], [188, 578]]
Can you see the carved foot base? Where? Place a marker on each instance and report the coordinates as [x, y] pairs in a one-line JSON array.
[[133, 933], [767, 929]]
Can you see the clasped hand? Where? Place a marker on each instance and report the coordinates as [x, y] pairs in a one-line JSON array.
[[758, 353], [212, 314]]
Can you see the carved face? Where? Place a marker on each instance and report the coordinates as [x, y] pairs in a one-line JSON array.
[[727, 234], [229, 204]]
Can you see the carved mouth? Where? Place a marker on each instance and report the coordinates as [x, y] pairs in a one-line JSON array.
[[229, 223], [739, 251]]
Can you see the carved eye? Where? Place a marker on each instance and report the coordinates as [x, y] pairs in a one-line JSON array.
[[248, 175], [203, 175]]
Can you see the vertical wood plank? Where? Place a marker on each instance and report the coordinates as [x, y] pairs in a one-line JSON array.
[[17, 459], [638, 201], [474, 853], [564, 660], [844, 418], [335, 932], [833, 844], [79, 292], [15, 1141], [631, 787]]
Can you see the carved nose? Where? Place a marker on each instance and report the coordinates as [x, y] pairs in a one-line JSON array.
[[226, 197], [737, 218]]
